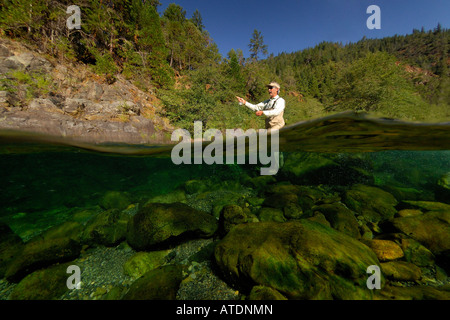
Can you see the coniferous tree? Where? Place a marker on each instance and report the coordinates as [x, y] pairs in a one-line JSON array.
[[197, 20], [257, 45]]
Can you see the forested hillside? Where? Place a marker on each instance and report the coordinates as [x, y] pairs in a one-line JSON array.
[[175, 57]]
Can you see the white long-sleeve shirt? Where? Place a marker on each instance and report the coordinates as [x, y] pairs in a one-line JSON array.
[[267, 106]]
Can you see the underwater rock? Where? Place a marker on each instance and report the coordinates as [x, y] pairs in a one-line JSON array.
[[427, 205], [107, 228], [416, 253], [412, 293], [320, 218], [196, 186], [10, 245], [259, 182], [68, 229], [160, 224], [443, 188], [202, 283], [142, 262], [115, 200], [409, 212], [265, 293], [285, 197], [385, 250], [171, 197], [214, 201], [401, 193], [301, 259], [40, 254], [232, 215], [432, 229], [271, 214], [401, 271], [372, 203], [44, 284], [313, 169], [280, 200], [340, 218], [161, 283]]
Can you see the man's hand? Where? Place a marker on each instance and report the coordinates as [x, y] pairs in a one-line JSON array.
[[259, 113], [241, 100]]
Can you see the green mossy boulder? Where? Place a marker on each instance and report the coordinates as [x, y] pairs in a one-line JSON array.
[[233, 215], [107, 228], [401, 271], [372, 203], [142, 262], [259, 182], [115, 200], [417, 253], [301, 259], [427, 205], [41, 253], [443, 188], [177, 195], [271, 214], [158, 284], [265, 293], [340, 218], [68, 229], [385, 250], [412, 293], [44, 284], [196, 186], [160, 224], [432, 229], [10, 246]]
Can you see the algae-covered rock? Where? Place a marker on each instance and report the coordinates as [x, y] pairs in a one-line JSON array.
[[372, 203], [107, 228], [432, 229], [68, 229], [385, 250], [177, 195], [40, 254], [428, 205], [142, 262], [158, 284], [301, 259], [401, 271], [115, 200], [412, 293], [409, 212], [280, 200], [417, 253], [271, 214], [340, 218], [44, 284], [265, 293], [443, 188], [285, 197], [259, 182], [10, 246], [160, 224], [232, 215], [195, 186]]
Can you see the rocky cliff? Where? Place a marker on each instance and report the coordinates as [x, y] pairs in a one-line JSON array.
[[46, 95]]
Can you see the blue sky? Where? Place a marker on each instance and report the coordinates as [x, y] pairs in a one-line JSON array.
[[293, 25]]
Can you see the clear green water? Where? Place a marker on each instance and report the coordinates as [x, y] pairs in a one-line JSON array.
[[43, 183]]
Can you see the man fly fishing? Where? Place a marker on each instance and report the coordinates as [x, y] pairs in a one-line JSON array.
[[272, 108]]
